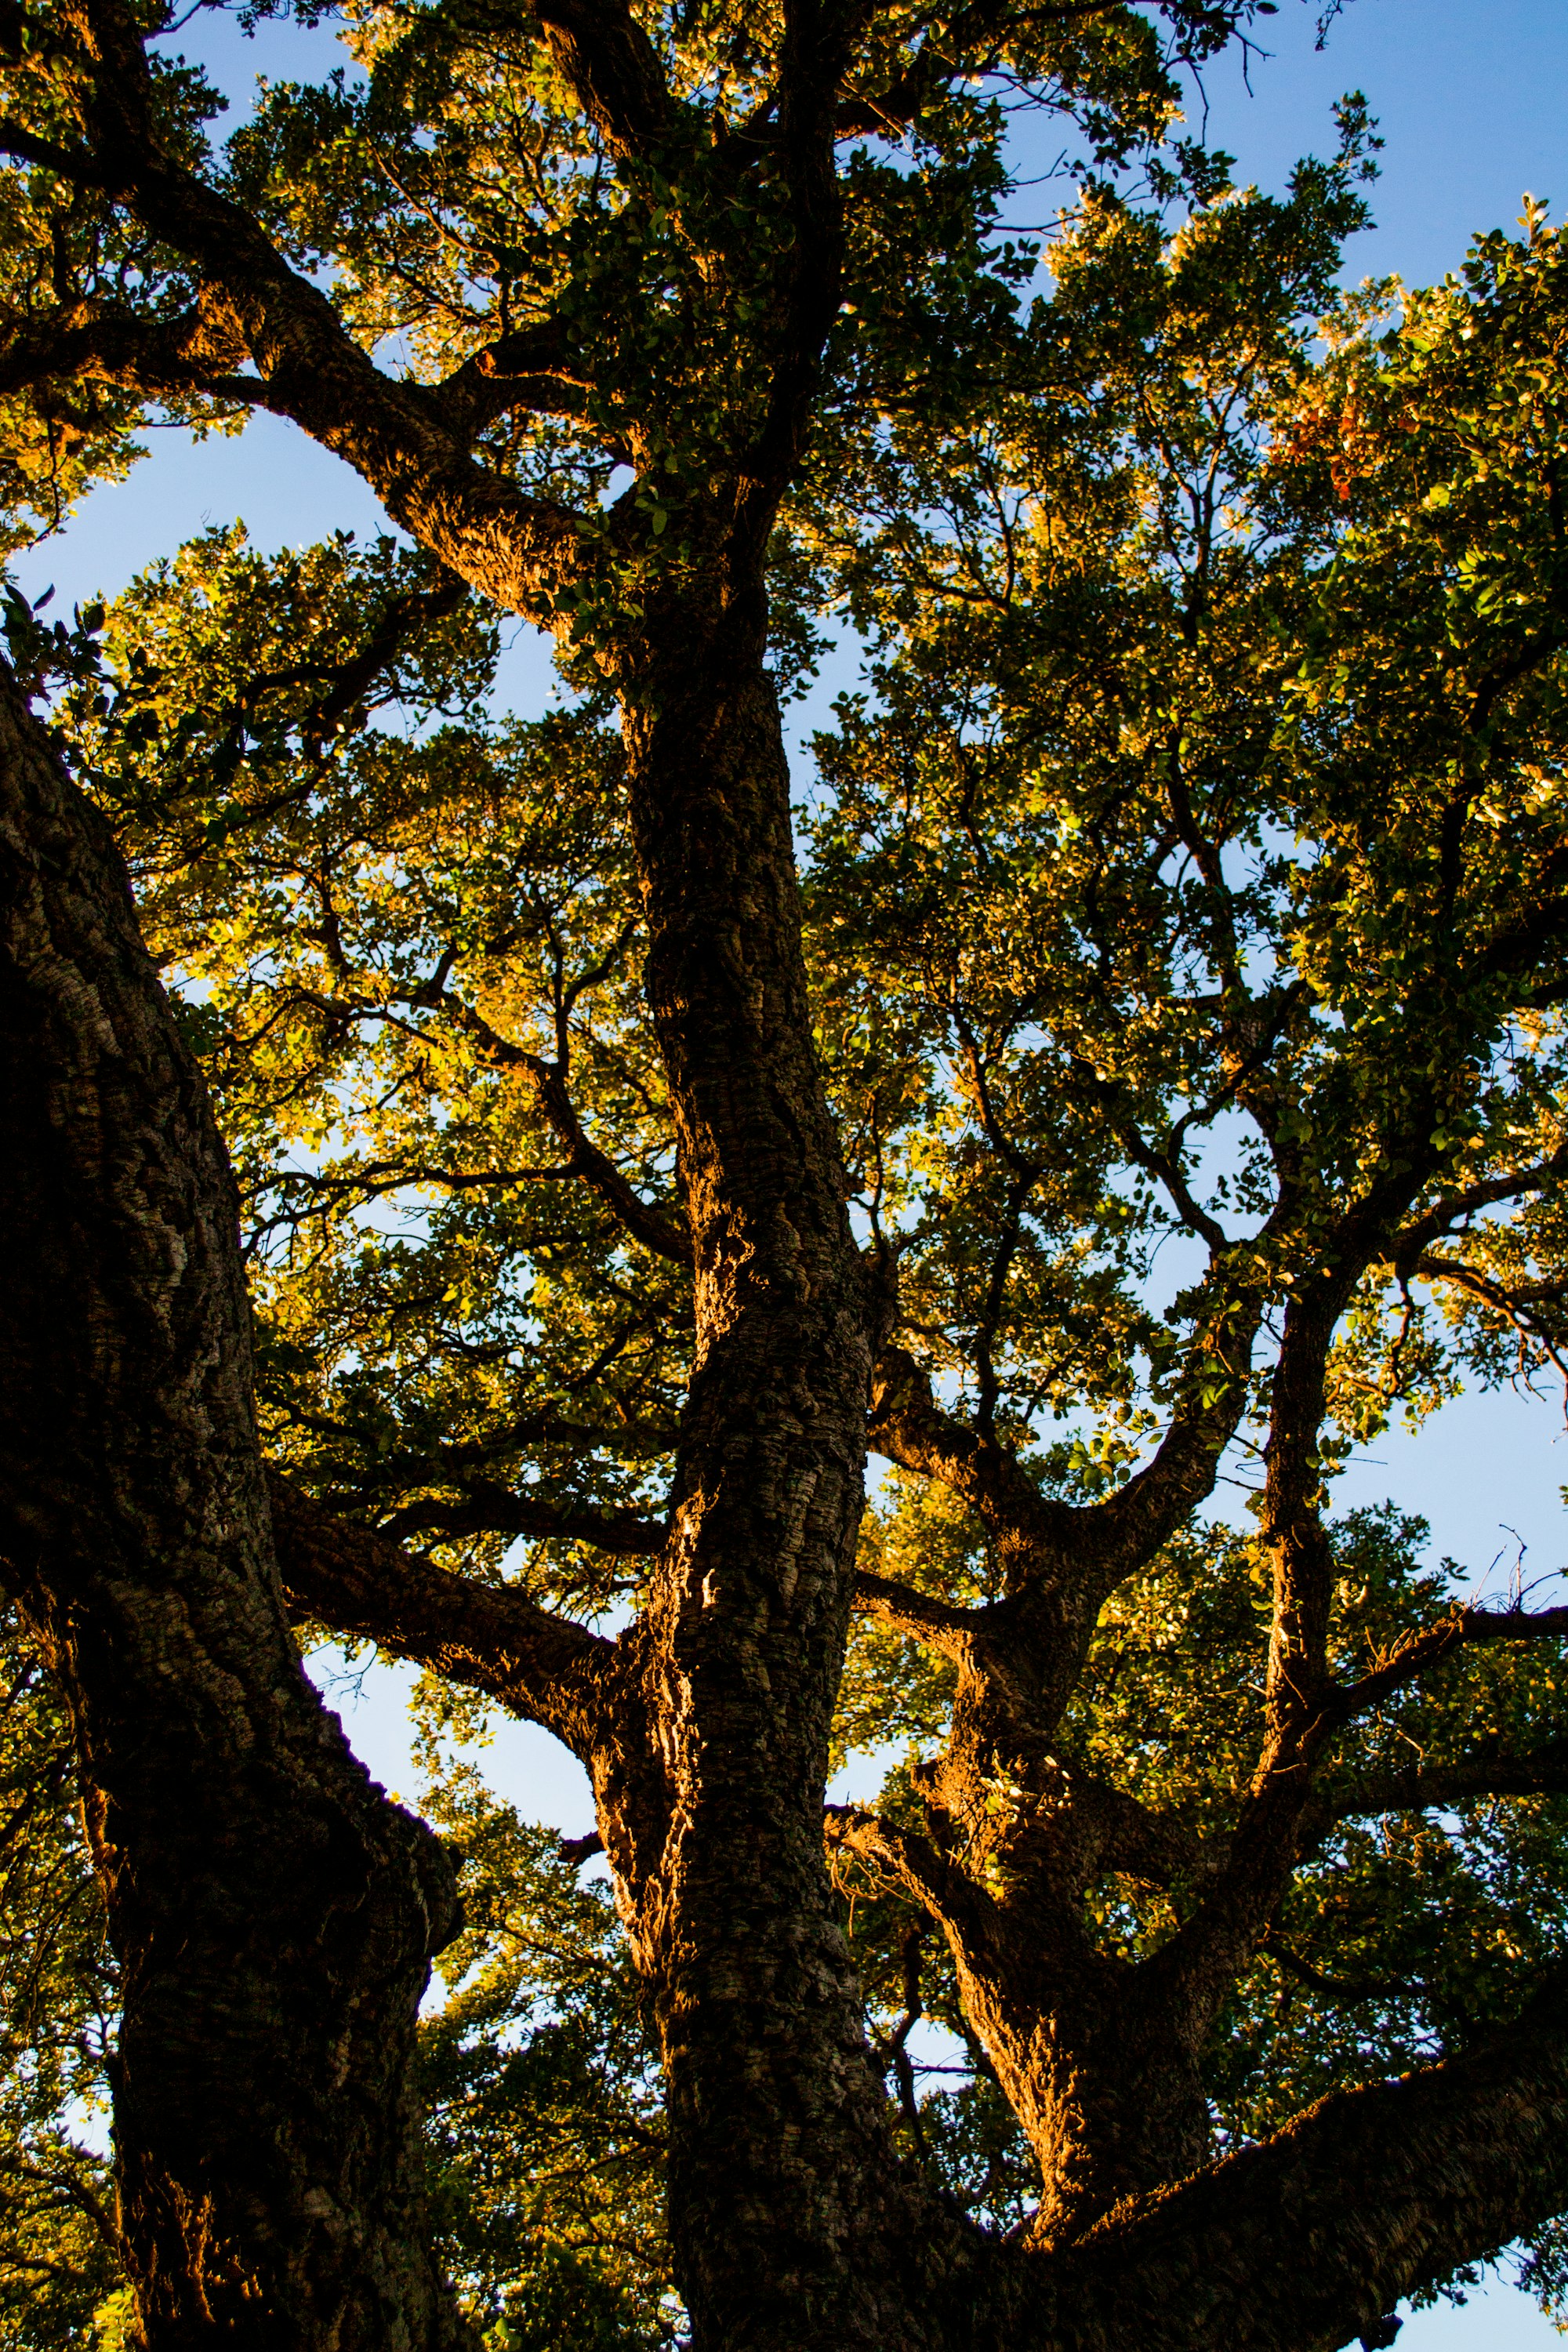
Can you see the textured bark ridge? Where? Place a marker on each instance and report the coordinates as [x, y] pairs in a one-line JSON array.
[[273, 1913]]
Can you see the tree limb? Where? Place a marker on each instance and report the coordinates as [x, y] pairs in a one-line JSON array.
[[646, 1224], [90, 338], [614, 69], [487, 1508], [486, 1636], [937, 1623], [1542, 1771], [1310, 2238], [909, 1427], [518, 550], [1336, 1988], [1097, 1543], [1440, 1219], [853, 1834], [533, 368], [1422, 1651]]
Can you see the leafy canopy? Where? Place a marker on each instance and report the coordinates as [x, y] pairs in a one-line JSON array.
[[1189, 864]]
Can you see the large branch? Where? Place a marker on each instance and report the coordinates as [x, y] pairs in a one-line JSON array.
[[1541, 1771], [1444, 1215], [911, 1428], [1309, 2240], [1126, 1530], [911, 1862], [1419, 1653], [1517, 1308], [533, 368], [584, 1158], [486, 1636], [520, 551], [813, 59], [648, 1224], [1096, 1542], [95, 339], [937, 1623], [967, 44]]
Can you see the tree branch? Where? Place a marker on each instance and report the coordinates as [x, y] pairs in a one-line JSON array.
[[1543, 1771], [941, 1627], [1098, 1540], [814, 56], [487, 1508], [540, 1666], [909, 1427], [612, 68], [1315, 2235], [518, 550], [1511, 1306], [1440, 1219], [853, 1834], [89, 338], [646, 1224], [1336, 1988], [531, 369], [1423, 1651]]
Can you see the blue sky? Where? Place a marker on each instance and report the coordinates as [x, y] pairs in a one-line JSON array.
[[1472, 99]]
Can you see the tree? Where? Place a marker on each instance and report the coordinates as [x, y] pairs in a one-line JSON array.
[[1192, 872]]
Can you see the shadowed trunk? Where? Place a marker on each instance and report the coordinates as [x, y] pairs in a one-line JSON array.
[[794, 2223], [273, 1913]]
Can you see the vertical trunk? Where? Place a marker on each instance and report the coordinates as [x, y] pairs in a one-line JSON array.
[[793, 2223], [273, 1913]]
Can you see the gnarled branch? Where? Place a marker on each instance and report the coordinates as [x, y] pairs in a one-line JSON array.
[[487, 1508], [540, 1666], [1541, 1772], [519, 549], [1422, 1651], [1312, 2236], [911, 1862], [950, 1630], [614, 69]]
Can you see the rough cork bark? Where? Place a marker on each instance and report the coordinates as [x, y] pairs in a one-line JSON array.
[[791, 2221], [274, 1914]]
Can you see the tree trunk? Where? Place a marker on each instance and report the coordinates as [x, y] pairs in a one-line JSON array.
[[273, 1913], [794, 2223]]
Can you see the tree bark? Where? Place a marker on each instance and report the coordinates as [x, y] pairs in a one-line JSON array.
[[273, 1913], [794, 2225], [1304, 2242]]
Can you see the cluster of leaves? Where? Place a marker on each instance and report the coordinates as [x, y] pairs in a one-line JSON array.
[[59, 2274], [545, 2132]]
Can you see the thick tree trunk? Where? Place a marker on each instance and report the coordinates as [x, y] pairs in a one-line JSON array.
[[794, 2225], [273, 1913]]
